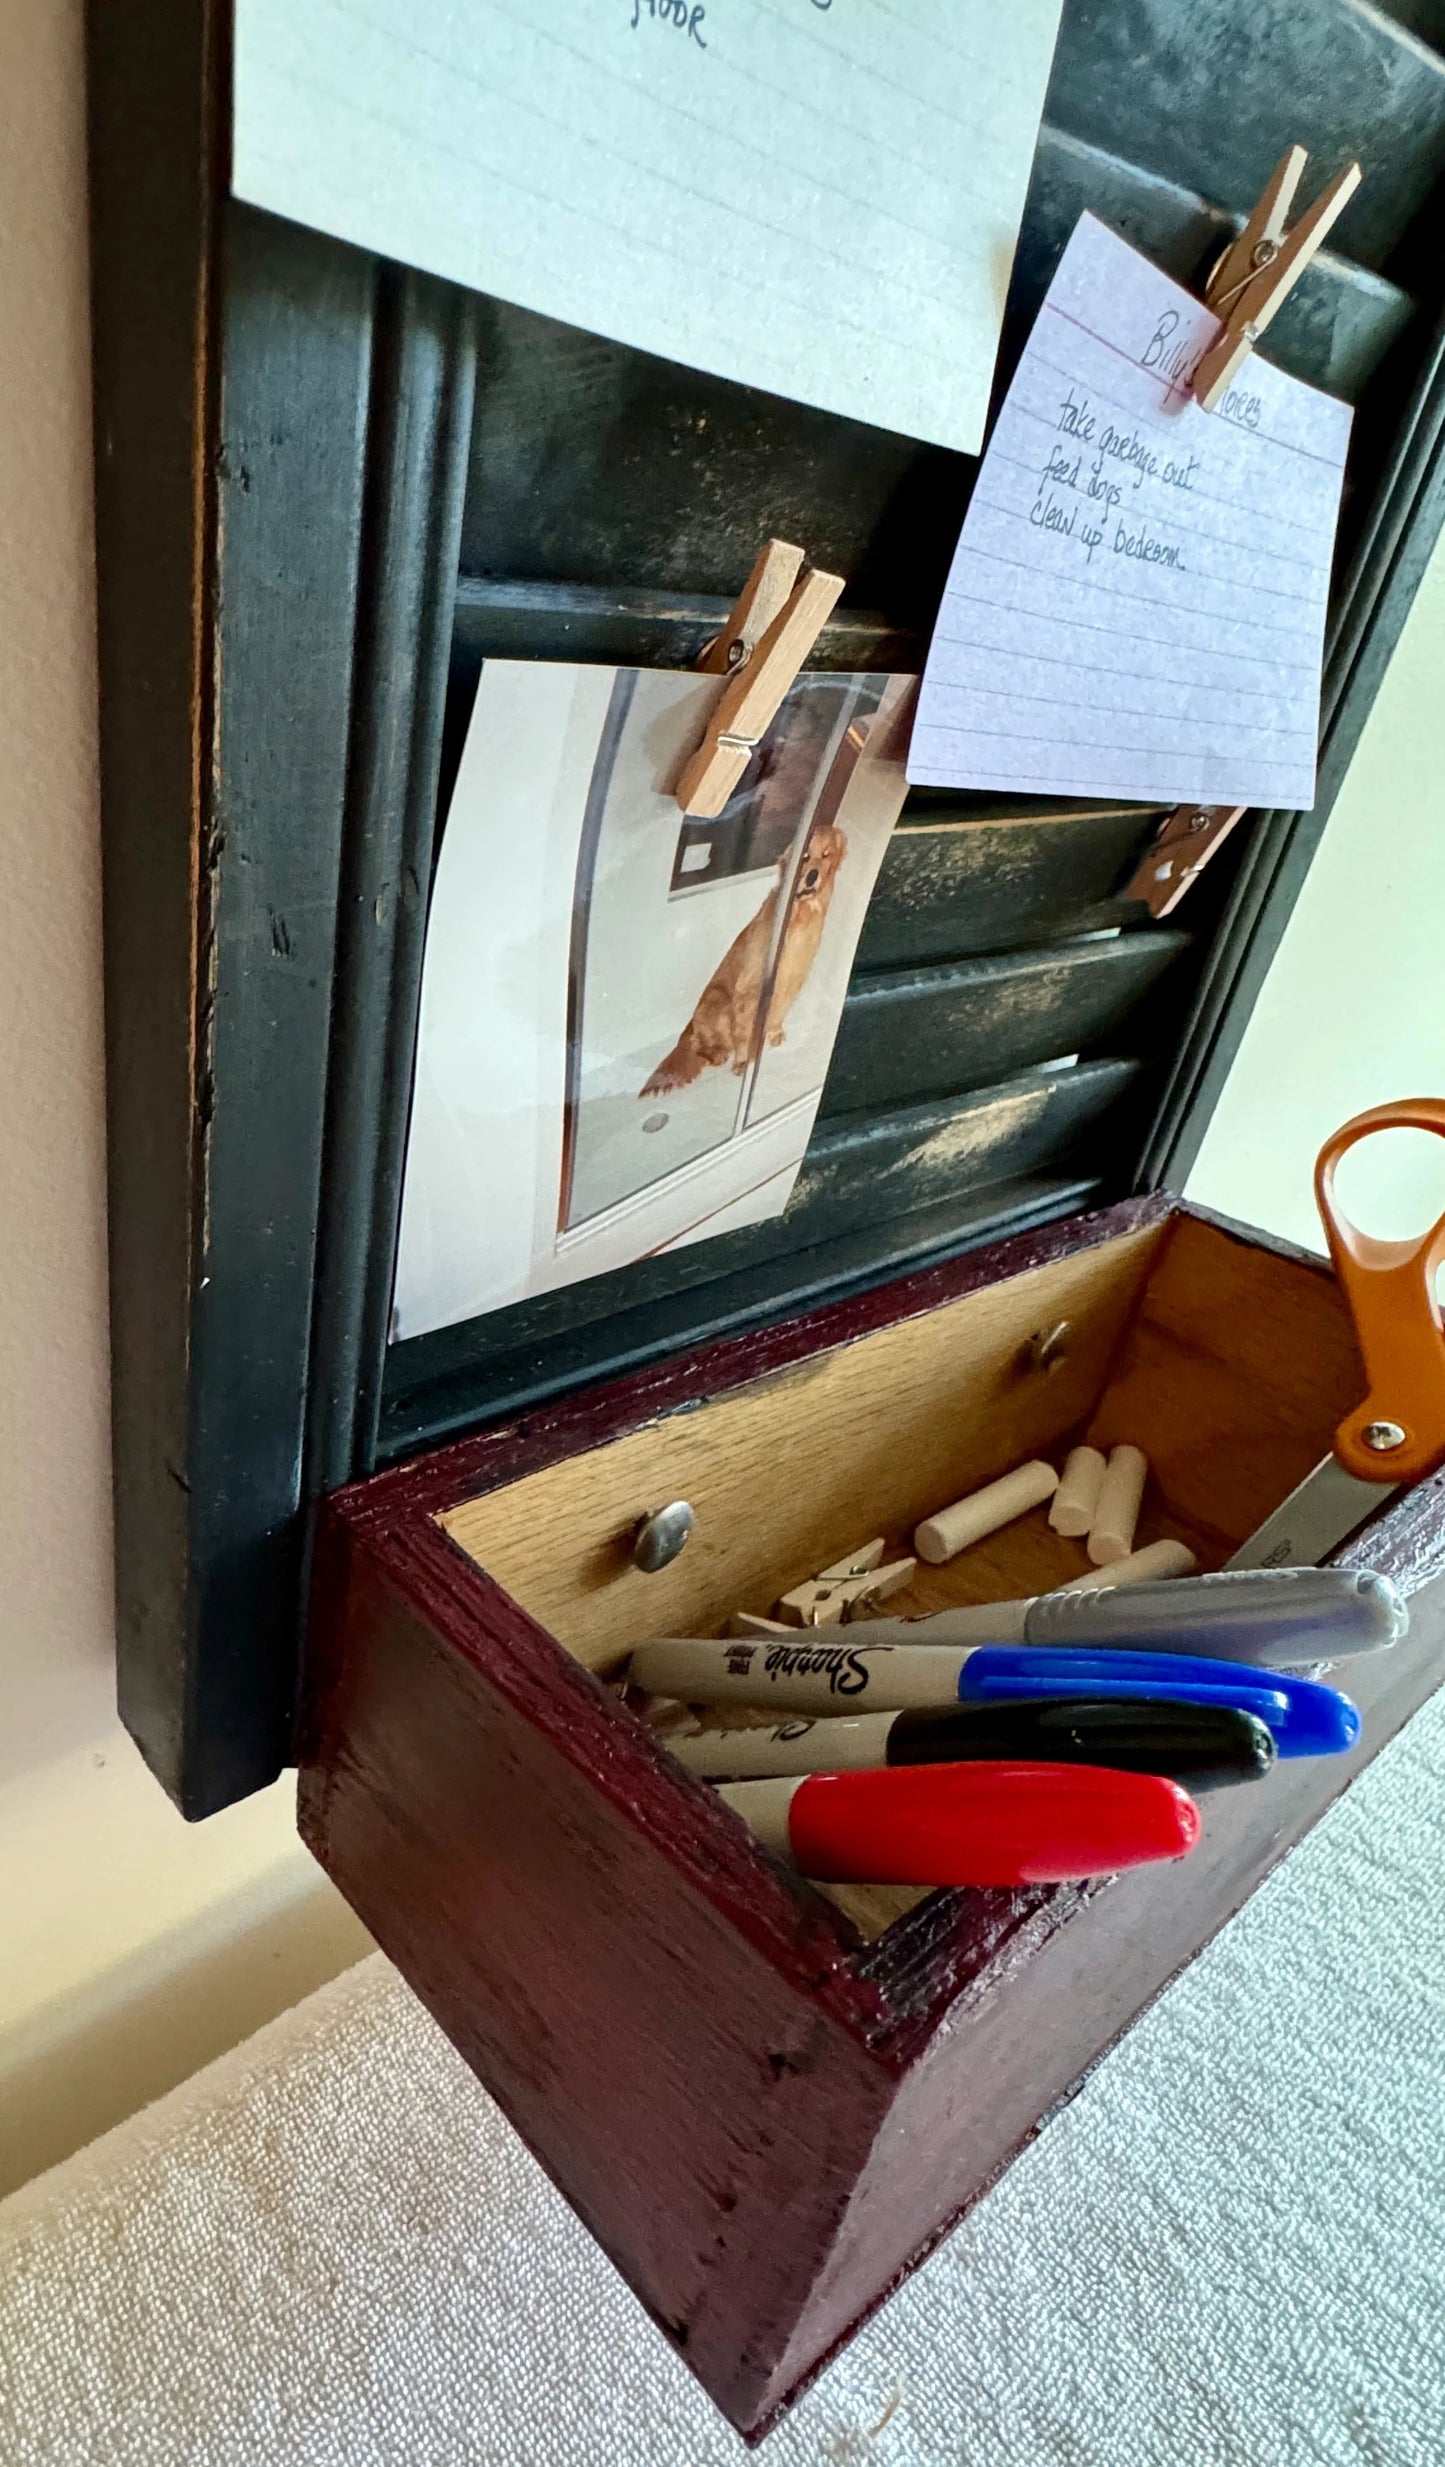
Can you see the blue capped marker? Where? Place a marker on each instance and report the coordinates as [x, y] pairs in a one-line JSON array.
[[1307, 1718], [811, 1673]]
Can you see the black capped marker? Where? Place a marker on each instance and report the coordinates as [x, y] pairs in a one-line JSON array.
[[1207, 1747]]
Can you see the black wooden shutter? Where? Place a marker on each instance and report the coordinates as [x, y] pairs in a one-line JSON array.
[[397, 480]]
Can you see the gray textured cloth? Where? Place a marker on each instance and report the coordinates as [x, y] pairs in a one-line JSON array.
[[329, 2250]]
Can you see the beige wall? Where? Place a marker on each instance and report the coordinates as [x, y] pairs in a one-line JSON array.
[[1353, 1010], [132, 1947]]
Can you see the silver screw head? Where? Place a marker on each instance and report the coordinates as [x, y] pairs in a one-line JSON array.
[[661, 1535], [1047, 1348], [1382, 1436]]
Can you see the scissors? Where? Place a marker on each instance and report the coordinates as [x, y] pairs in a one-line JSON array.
[[1398, 1434]]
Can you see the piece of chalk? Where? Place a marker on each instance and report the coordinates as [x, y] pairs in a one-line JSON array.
[[1111, 1535], [968, 1520], [1142, 1567], [1077, 1497]]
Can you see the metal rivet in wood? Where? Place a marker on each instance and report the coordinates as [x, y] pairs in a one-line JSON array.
[[660, 1535], [1048, 1346]]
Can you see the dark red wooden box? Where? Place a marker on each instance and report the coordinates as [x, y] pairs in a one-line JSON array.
[[766, 2103]]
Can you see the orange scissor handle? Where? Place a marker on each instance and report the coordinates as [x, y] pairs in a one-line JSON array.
[[1390, 1288]]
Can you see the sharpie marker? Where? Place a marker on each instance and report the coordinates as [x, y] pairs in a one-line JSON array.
[[1306, 1718], [1272, 1616], [1205, 1746], [990, 1824]]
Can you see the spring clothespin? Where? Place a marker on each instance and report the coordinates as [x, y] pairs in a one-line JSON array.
[[769, 634], [764, 595], [1185, 841], [846, 1590], [1258, 271]]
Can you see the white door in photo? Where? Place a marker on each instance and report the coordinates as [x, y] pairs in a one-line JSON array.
[[627, 1013]]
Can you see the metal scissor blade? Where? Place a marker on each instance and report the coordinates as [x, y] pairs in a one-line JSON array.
[[1318, 1515]]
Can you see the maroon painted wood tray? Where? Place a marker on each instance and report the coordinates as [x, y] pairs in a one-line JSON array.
[[767, 2106]]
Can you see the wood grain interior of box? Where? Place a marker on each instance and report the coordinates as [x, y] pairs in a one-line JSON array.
[[1227, 1363]]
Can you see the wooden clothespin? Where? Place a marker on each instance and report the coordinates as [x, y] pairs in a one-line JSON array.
[[764, 595], [761, 666], [1259, 270], [1183, 846], [842, 1591]]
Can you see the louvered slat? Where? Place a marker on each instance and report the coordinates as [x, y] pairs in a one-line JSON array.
[[954, 884], [909, 1033], [875, 1191], [1212, 92]]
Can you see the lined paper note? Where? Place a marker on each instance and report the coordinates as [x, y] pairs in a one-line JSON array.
[[1136, 606], [819, 197]]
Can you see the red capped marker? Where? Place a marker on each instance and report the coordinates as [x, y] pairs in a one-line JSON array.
[[982, 1824]]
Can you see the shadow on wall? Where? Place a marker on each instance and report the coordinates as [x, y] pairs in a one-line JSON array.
[[127, 2034]]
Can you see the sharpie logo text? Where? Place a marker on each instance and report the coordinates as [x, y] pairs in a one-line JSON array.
[[846, 1673]]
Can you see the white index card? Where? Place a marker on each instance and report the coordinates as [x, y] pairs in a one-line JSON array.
[[1136, 606], [818, 197]]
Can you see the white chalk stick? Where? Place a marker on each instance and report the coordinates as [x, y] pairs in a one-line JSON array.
[[1142, 1567], [943, 1536], [1111, 1535], [1077, 1497]]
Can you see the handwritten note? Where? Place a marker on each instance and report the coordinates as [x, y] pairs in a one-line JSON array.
[[818, 197], [1136, 606]]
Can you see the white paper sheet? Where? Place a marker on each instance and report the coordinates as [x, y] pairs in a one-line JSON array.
[[819, 197], [567, 1118], [1136, 606]]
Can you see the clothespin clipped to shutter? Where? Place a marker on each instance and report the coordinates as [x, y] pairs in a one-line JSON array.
[[768, 636], [1183, 846], [1258, 271], [764, 595]]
